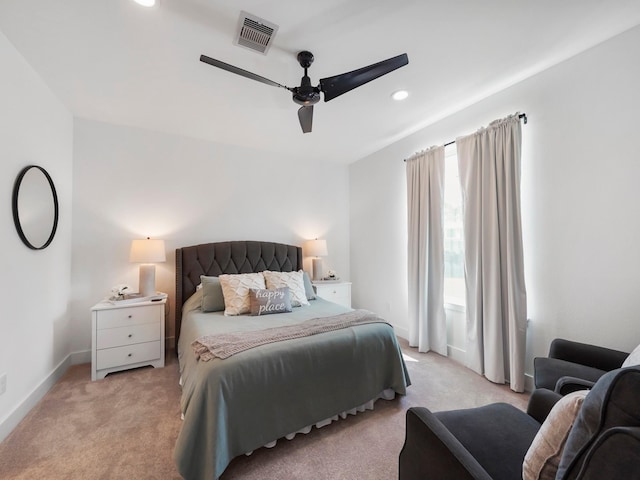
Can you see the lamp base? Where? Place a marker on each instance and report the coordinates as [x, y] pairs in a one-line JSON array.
[[147, 281], [318, 271]]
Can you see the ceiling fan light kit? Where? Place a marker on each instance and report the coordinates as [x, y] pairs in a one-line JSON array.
[[306, 94]]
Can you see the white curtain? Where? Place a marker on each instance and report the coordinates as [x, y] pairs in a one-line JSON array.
[[425, 195], [489, 165]]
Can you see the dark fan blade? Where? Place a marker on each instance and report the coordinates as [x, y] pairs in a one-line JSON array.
[[336, 86], [305, 115], [239, 71]]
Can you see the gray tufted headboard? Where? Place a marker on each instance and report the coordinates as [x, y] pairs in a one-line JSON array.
[[213, 259]]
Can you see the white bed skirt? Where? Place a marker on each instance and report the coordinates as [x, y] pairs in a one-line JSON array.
[[388, 394]]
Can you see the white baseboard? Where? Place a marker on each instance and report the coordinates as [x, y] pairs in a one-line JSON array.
[[83, 356], [11, 421], [528, 383], [401, 332], [456, 354]]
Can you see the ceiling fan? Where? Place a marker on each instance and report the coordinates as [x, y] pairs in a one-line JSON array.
[[332, 87]]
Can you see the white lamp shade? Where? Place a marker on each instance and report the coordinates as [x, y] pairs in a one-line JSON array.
[[147, 251], [317, 248]]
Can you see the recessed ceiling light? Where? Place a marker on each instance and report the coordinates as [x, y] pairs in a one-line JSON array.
[[400, 95], [146, 3]]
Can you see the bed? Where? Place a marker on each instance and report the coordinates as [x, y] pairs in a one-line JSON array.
[[235, 405]]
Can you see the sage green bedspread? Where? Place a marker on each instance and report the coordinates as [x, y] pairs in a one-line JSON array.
[[238, 404]]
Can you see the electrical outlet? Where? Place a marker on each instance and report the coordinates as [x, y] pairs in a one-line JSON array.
[[3, 383]]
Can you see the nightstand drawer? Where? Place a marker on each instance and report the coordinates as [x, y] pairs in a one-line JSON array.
[[118, 356], [334, 296], [117, 337], [337, 293], [123, 317]]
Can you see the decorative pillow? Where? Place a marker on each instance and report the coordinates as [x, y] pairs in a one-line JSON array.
[[212, 297], [543, 457], [265, 302], [293, 280], [633, 358], [235, 290], [308, 286]]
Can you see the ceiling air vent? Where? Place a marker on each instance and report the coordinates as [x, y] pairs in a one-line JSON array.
[[255, 33]]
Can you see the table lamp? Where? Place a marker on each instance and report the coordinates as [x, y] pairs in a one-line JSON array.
[[317, 248], [147, 252]]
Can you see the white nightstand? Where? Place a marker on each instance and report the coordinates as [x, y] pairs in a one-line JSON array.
[[334, 291], [126, 336]]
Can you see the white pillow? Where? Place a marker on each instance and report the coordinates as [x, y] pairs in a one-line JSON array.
[[235, 290], [293, 280], [633, 358], [543, 457]]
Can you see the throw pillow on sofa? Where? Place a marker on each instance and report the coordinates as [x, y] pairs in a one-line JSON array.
[[543, 457]]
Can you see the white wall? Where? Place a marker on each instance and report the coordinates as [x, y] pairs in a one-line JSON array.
[[35, 128], [580, 182], [132, 183]]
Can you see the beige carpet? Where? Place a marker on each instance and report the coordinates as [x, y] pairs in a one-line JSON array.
[[125, 426]]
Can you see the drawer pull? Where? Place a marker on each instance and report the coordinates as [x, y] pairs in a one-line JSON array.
[[130, 316], [130, 335], [130, 355]]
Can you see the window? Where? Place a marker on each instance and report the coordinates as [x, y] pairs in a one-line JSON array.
[[454, 285]]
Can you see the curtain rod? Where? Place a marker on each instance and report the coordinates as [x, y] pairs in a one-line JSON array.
[[522, 116]]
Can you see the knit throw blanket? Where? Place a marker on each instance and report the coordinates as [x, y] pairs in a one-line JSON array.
[[226, 344]]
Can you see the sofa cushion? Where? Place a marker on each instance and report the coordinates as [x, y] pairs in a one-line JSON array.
[[615, 455], [633, 358], [547, 372], [543, 457], [431, 451], [612, 402], [496, 435]]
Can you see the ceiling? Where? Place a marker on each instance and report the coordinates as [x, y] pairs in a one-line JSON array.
[[118, 62]]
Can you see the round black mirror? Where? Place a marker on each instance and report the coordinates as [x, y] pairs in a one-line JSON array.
[[35, 207]]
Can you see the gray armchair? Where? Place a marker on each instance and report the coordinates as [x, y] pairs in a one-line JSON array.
[[574, 366], [491, 442]]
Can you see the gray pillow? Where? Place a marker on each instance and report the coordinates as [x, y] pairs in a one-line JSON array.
[[266, 302], [212, 298], [308, 287]]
